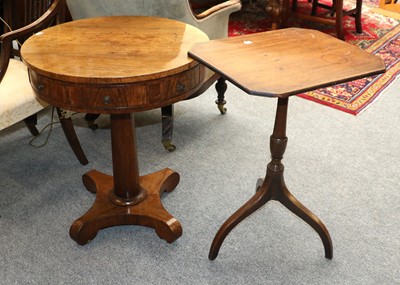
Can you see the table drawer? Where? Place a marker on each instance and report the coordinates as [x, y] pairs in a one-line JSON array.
[[114, 98]]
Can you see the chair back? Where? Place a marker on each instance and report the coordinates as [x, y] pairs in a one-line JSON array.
[[172, 9], [19, 13], [23, 18], [213, 21]]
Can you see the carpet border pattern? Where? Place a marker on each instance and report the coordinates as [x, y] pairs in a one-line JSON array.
[[370, 92]]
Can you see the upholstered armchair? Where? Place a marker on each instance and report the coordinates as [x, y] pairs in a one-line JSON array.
[[18, 101], [213, 21]]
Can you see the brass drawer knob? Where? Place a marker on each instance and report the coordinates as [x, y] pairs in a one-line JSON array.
[[180, 87], [39, 86], [107, 99]]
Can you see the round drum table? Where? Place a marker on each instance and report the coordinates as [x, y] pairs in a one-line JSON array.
[[118, 66]]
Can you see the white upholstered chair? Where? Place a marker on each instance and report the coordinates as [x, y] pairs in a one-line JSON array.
[[213, 21], [18, 101]]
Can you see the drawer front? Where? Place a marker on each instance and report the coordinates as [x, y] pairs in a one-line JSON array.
[[118, 98]]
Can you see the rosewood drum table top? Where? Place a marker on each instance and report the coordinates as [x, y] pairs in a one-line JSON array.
[[117, 66], [279, 64], [117, 53]]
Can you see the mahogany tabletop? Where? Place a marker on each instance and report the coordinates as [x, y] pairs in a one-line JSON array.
[[109, 49], [286, 62]]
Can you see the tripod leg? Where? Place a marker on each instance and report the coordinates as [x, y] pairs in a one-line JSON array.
[[294, 205], [258, 200]]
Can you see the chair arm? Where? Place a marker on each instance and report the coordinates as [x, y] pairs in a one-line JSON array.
[[214, 21], [217, 8], [35, 26], [42, 22]]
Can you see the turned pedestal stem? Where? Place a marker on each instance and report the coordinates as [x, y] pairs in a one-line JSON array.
[[127, 188]]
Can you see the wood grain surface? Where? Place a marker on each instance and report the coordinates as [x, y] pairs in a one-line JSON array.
[[112, 49], [286, 62]]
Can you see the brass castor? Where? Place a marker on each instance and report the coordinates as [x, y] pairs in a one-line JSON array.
[[90, 119], [92, 125], [221, 108], [168, 145]]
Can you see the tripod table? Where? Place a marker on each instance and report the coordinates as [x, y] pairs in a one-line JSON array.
[[279, 64]]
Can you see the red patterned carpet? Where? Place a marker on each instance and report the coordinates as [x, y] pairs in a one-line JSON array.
[[381, 35]]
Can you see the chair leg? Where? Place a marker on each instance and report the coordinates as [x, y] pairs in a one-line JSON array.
[[339, 19], [333, 11], [167, 112], [314, 7], [90, 118], [167, 123], [70, 134], [221, 87], [31, 123], [337, 8], [357, 16], [294, 5]]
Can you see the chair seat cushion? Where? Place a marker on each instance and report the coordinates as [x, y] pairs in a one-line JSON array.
[[17, 98]]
